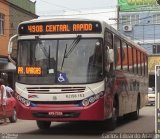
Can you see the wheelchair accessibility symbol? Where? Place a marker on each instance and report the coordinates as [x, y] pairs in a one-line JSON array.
[[62, 77]]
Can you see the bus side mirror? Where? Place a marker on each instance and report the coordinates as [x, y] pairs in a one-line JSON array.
[[110, 56], [12, 49]]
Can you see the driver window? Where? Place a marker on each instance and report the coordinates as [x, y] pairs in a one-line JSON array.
[[108, 44]]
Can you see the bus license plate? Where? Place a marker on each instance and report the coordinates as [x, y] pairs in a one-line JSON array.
[[55, 113]]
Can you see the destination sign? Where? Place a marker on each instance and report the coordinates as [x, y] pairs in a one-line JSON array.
[[29, 70], [58, 27]]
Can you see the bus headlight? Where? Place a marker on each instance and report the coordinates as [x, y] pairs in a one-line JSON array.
[[92, 99], [23, 100], [27, 103], [85, 102]]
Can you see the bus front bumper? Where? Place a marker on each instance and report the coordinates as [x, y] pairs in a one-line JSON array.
[[62, 112]]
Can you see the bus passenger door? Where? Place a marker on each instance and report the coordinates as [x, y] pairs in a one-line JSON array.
[[109, 76], [109, 87]]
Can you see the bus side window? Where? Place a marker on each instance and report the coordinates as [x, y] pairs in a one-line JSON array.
[[134, 53], [139, 63], [117, 54], [130, 59], [124, 56], [145, 65]]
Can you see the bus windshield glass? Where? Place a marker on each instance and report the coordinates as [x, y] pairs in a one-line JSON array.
[[57, 61]]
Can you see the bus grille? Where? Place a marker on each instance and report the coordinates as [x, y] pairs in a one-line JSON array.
[[55, 90], [57, 102]]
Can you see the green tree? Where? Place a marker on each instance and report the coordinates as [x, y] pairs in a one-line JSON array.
[[158, 1]]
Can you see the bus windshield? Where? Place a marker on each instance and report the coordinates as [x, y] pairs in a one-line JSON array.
[[61, 60]]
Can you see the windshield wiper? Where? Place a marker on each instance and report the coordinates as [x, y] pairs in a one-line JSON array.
[[72, 47], [39, 43], [64, 57], [49, 56]]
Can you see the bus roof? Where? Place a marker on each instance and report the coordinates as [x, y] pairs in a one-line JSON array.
[[104, 23], [48, 19]]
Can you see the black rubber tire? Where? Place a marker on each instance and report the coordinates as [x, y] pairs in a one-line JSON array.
[[112, 122], [43, 124], [13, 118]]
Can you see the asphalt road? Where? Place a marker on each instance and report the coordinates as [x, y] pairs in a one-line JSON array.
[[125, 128]]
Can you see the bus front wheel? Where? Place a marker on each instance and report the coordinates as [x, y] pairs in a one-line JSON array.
[[112, 122], [43, 124], [13, 117]]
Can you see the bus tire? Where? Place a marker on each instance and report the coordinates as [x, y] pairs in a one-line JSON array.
[[112, 122], [43, 124], [13, 118], [135, 115]]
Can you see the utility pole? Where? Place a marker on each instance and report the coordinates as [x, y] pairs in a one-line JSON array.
[[118, 10], [117, 19]]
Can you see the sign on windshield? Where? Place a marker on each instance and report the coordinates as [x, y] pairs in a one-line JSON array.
[[29, 70]]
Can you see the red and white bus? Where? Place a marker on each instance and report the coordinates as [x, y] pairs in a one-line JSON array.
[[77, 70]]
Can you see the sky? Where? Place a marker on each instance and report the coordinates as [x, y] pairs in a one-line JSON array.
[[59, 7]]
